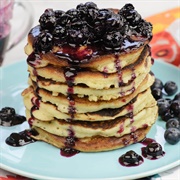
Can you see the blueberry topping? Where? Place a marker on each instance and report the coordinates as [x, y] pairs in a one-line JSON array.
[[87, 24], [170, 88], [48, 20], [173, 123], [172, 135], [44, 42], [59, 33], [112, 39]]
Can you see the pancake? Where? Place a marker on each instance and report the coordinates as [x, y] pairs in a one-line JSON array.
[[103, 63], [93, 144], [117, 127], [94, 79], [47, 111], [83, 105], [89, 78]]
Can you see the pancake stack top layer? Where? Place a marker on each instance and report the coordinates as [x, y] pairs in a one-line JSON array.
[[89, 78]]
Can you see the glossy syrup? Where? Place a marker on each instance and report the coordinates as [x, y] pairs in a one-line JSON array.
[[22, 138], [70, 74], [68, 150]]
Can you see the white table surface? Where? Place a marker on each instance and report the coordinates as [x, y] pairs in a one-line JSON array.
[[145, 8]]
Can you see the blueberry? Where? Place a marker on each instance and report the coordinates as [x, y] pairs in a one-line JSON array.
[[163, 106], [48, 20], [77, 37], [58, 13], [115, 21], [131, 157], [157, 84], [90, 5], [144, 28], [168, 115], [175, 107], [154, 149], [44, 42], [170, 88], [177, 97], [172, 135], [157, 93], [64, 19], [8, 111], [113, 39], [59, 32], [173, 123]]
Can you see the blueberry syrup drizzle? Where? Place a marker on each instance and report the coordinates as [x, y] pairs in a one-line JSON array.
[[22, 138], [147, 141], [117, 65], [36, 104], [68, 150], [34, 59], [70, 74]]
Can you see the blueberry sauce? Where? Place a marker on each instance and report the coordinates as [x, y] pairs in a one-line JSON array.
[[152, 151], [70, 74], [68, 150], [34, 59], [130, 159], [147, 141], [117, 65], [8, 117], [22, 138]]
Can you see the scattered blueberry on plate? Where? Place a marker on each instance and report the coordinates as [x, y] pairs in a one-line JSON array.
[[169, 109]]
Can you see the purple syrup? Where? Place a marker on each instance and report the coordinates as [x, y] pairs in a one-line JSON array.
[[35, 101], [130, 159], [22, 138], [70, 74], [68, 152], [70, 141], [34, 59], [152, 151], [117, 65], [147, 141]]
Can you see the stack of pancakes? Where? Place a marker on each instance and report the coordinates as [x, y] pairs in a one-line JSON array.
[[102, 104]]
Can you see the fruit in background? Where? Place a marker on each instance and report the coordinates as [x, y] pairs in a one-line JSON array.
[[166, 43]]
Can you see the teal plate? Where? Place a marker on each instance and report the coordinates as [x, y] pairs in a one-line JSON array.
[[43, 161]]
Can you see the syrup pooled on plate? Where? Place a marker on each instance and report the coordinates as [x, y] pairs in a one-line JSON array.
[[8, 117]]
